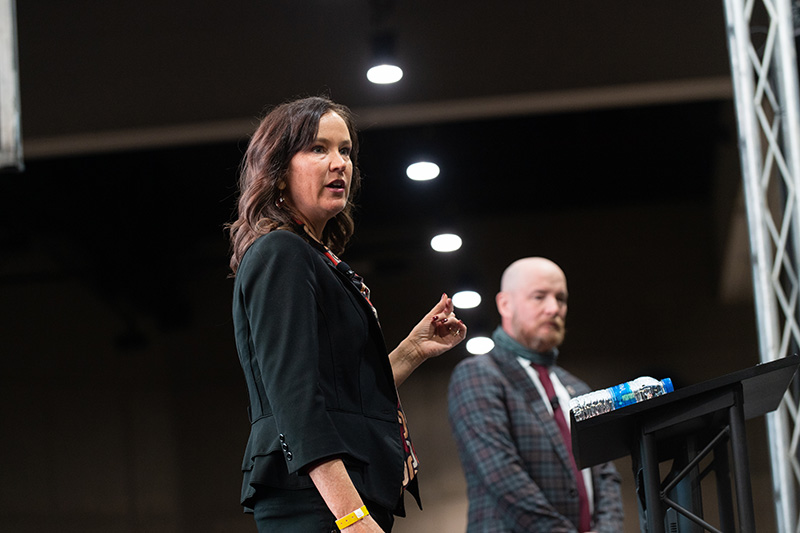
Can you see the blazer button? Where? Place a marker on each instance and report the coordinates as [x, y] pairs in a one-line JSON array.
[[573, 493], [282, 437], [285, 446], [288, 456]]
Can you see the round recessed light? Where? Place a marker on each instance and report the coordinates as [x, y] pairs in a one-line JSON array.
[[383, 74], [446, 242], [466, 299], [422, 171], [479, 345]]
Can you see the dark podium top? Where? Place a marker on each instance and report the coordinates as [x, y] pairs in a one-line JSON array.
[[613, 435]]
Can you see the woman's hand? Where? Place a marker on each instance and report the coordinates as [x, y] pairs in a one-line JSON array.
[[437, 332]]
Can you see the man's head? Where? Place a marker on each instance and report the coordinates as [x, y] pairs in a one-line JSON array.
[[533, 303]]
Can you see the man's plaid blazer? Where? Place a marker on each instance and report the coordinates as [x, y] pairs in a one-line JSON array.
[[519, 478]]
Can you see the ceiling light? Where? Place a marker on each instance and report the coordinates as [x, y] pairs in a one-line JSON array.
[[384, 74], [466, 299], [446, 242], [384, 65], [422, 171], [479, 345]]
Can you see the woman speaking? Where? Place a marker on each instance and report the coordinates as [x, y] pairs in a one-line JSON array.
[[329, 447]]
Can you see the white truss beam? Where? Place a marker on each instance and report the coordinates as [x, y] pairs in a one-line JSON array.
[[765, 83]]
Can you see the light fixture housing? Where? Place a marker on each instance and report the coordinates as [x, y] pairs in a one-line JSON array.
[[385, 69]]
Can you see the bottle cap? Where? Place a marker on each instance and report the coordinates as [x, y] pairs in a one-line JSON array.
[[667, 382]]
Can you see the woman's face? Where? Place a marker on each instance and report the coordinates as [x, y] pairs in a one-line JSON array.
[[318, 183]]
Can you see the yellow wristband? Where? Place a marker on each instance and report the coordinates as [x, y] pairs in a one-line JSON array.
[[352, 518]]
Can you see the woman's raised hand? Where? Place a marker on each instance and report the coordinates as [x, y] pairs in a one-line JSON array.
[[439, 330]]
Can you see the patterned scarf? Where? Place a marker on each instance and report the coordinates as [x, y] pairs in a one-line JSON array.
[[504, 341]]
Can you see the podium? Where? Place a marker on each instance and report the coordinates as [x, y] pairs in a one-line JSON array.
[[686, 426]]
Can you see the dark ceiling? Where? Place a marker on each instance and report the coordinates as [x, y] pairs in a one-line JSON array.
[[135, 115], [115, 67]]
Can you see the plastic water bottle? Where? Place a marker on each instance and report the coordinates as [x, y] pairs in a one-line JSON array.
[[602, 401]]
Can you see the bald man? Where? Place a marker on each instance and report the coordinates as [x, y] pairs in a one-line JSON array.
[[509, 415]]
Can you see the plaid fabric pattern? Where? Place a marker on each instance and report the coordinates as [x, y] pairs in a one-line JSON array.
[[518, 472]]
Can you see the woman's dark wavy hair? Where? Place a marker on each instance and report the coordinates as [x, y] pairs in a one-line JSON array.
[[283, 132]]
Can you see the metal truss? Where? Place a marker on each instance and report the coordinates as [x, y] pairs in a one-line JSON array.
[[10, 136], [761, 39]]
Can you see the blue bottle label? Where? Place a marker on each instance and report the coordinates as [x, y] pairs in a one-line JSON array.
[[622, 395]]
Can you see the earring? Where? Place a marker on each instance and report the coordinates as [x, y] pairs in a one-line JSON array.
[[281, 187]]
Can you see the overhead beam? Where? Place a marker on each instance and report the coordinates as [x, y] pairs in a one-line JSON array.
[[566, 101]]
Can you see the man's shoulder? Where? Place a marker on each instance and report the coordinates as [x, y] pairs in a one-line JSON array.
[[570, 380], [476, 362], [563, 372], [475, 378], [487, 366]]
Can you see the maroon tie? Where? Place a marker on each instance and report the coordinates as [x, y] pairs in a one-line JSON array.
[[558, 415]]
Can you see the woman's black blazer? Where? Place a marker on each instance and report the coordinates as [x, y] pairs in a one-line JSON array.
[[317, 373]]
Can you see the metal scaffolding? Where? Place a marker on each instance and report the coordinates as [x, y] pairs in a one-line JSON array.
[[761, 40], [10, 136]]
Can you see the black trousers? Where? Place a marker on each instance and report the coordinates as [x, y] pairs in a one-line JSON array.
[[303, 511]]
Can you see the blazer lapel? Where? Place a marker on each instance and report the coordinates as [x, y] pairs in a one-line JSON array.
[[356, 294], [521, 381]]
